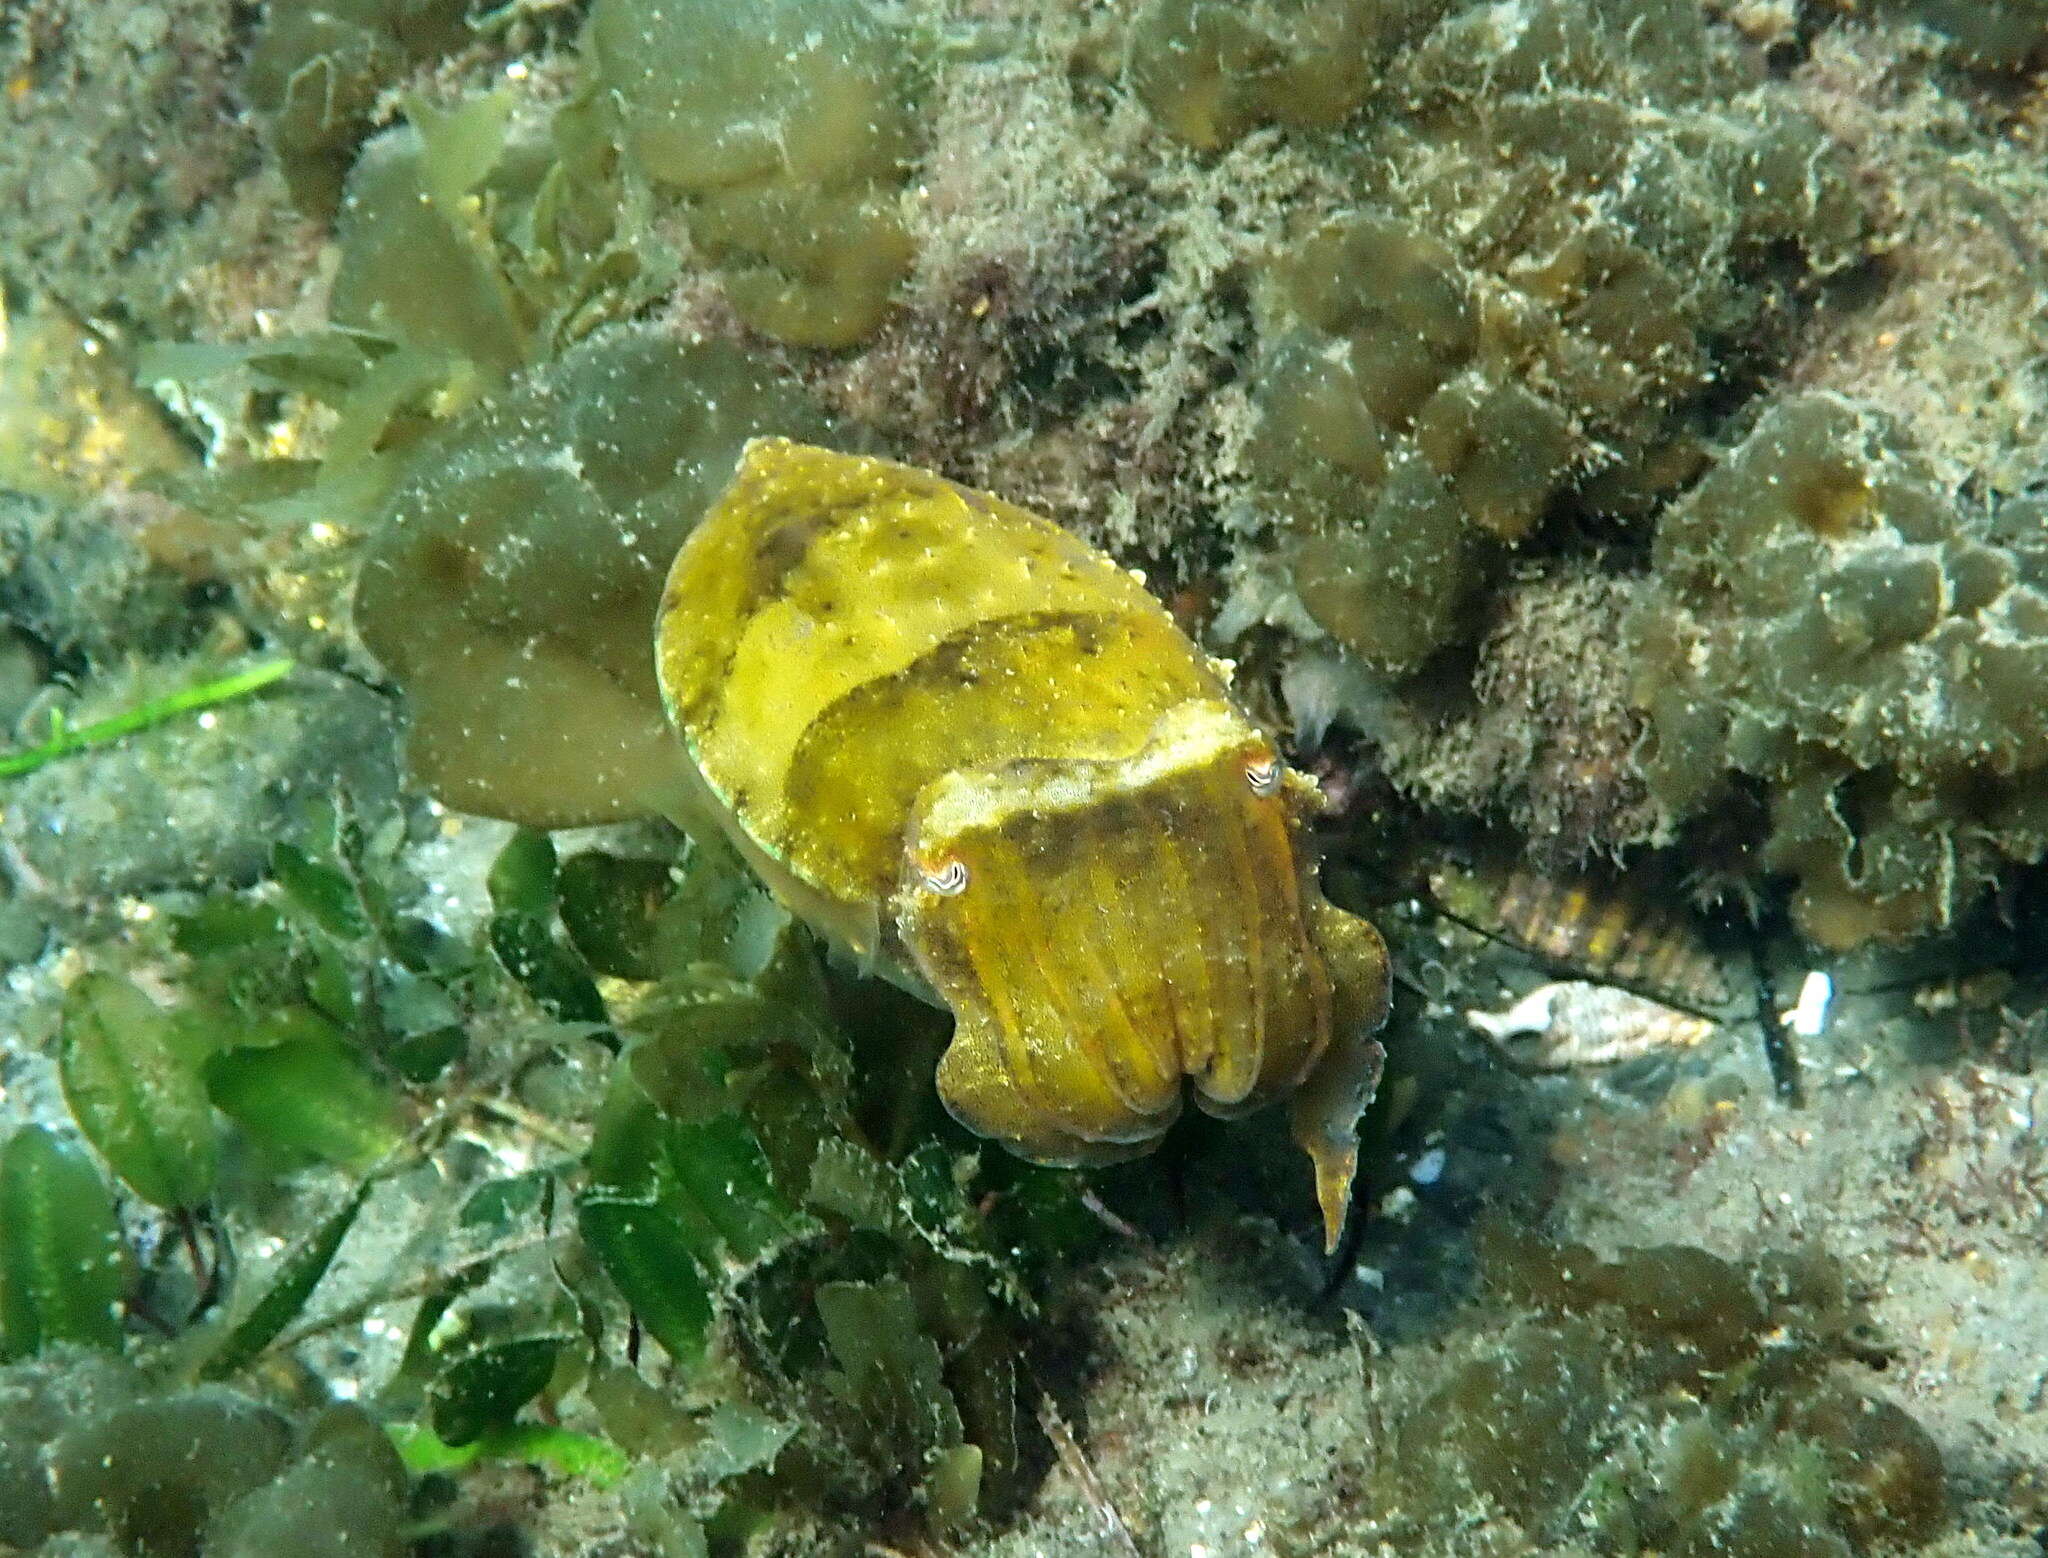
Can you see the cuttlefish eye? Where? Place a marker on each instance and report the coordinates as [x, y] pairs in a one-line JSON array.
[[1263, 775], [949, 881]]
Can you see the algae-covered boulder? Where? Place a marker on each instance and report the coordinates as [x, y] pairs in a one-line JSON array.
[[1826, 620], [512, 585], [192, 804], [1986, 34]]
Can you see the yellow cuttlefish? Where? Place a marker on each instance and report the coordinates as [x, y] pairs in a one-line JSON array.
[[980, 755]]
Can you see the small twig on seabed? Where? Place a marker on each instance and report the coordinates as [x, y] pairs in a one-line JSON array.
[[1110, 1220], [1078, 1468]]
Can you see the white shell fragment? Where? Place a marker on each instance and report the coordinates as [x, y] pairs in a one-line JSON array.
[[1809, 1016], [1572, 1022]]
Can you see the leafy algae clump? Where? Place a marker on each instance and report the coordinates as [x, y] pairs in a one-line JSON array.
[[1988, 34], [1571, 218], [408, 273], [90, 1446], [1211, 72], [789, 125], [513, 583], [1824, 619], [1664, 1401], [315, 73]]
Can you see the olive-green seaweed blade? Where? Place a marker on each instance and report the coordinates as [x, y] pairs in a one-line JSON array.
[[134, 1088], [63, 1266]]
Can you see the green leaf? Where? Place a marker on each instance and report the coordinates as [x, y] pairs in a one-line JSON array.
[[522, 879], [325, 364], [503, 1201], [549, 972], [739, 1440], [717, 1182], [227, 925], [609, 906], [561, 1450], [681, 1064], [893, 1375], [420, 1353], [646, 1254], [331, 973], [462, 145], [297, 1275], [63, 1265], [693, 1052], [412, 1004], [952, 1486], [708, 1174], [483, 1391], [719, 915], [135, 1092], [673, 1206], [308, 1090], [423, 1023], [323, 892], [245, 956], [425, 1056], [857, 1186]]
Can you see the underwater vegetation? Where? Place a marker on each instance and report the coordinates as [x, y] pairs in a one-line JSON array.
[[1825, 619], [845, 1315], [512, 583], [1572, 232], [791, 128], [315, 72], [1431, 357], [1992, 35], [1662, 1401], [90, 1446], [71, 420]]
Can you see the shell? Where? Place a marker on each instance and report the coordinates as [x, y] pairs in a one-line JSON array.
[[1571, 1023], [977, 752], [1633, 932]]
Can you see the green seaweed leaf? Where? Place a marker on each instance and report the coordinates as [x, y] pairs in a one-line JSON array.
[[66, 739], [549, 972], [560, 1450], [523, 884], [417, 1362], [134, 1088], [298, 1274], [461, 145], [523, 876], [323, 892], [297, 1083], [482, 1391], [608, 906], [643, 1249], [63, 1265], [891, 1372]]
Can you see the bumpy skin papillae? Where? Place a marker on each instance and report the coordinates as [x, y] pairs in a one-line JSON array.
[[978, 752]]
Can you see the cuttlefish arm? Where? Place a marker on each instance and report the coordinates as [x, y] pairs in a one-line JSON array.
[[1323, 1113]]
